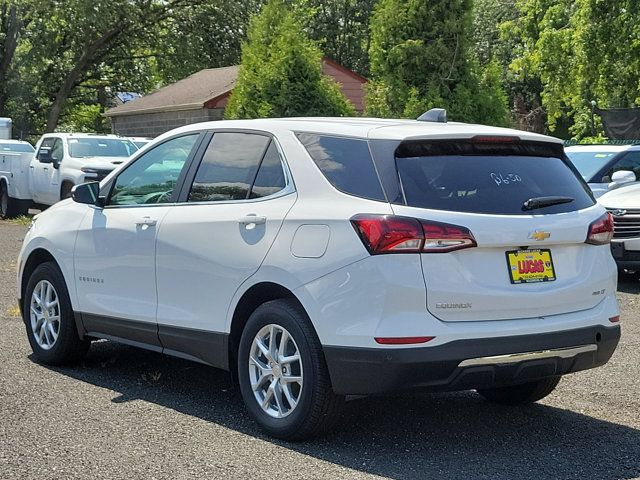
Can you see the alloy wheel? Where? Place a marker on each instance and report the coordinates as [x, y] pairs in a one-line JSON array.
[[45, 314], [275, 371]]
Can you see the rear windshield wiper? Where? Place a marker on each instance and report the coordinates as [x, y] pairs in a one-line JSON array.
[[541, 202]]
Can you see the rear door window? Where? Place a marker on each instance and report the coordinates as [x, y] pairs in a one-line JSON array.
[[229, 167], [346, 163], [487, 182]]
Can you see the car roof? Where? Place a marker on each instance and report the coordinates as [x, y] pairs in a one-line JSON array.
[[599, 148], [84, 135], [14, 141], [374, 128]]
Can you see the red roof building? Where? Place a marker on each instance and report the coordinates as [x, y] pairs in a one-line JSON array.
[[202, 97]]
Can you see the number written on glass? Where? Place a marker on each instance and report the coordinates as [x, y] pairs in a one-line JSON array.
[[505, 178]]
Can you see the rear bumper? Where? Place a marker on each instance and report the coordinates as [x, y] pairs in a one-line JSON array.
[[470, 364]]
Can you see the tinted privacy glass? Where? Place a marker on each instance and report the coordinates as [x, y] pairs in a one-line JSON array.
[[153, 176], [346, 162], [228, 167], [270, 178], [489, 183]]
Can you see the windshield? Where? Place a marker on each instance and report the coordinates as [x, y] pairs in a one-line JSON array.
[[589, 163], [494, 183], [16, 147], [100, 147]]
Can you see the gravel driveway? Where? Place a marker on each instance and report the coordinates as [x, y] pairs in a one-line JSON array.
[[126, 413]]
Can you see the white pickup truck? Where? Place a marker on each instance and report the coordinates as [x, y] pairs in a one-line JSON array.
[[61, 161]]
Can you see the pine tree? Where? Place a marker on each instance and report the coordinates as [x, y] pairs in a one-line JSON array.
[[281, 73], [421, 58]]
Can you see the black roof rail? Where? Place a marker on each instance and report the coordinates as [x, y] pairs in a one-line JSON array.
[[438, 115]]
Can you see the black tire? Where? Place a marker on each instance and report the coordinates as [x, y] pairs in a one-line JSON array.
[[65, 191], [318, 407], [9, 207], [628, 275], [68, 347], [521, 394]]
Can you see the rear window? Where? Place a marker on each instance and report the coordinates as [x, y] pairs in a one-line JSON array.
[[486, 180], [16, 147], [346, 163]]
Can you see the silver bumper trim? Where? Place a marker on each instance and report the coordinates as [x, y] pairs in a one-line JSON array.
[[521, 357]]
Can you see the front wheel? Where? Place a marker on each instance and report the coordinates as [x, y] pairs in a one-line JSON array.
[[51, 327], [521, 394], [282, 373], [65, 191]]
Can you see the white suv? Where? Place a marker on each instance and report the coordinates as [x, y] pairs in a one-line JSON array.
[[320, 258]]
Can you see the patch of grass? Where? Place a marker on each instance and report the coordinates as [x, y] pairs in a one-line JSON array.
[[24, 220], [13, 311]]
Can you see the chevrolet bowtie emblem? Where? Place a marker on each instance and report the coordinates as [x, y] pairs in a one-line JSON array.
[[538, 235]]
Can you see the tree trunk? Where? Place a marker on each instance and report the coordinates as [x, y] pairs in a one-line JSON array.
[[93, 52], [12, 28]]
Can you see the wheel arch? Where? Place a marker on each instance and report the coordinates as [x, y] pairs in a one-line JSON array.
[[64, 183], [250, 300], [37, 257]]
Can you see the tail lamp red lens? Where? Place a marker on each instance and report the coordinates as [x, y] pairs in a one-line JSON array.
[[395, 234], [494, 139], [601, 231], [615, 319]]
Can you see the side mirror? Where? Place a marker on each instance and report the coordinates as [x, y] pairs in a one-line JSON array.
[[56, 163], [87, 193], [44, 155], [622, 177]]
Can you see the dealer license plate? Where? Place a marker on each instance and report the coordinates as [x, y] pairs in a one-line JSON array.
[[530, 266]]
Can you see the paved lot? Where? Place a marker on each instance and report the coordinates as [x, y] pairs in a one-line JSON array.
[[126, 413]]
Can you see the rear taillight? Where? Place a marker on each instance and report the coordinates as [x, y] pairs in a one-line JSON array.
[[394, 234], [601, 231], [442, 237]]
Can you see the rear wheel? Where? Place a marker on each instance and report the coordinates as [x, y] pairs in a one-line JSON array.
[[521, 394], [51, 327], [9, 207], [282, 373]]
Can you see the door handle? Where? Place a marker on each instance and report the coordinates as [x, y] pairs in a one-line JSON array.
[[146, 222], [31, 166], [46, 169], [252, 219]]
